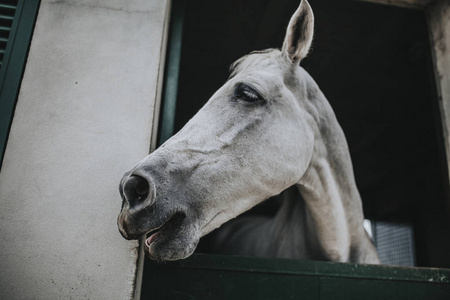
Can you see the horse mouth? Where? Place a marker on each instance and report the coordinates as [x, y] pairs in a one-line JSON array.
[[165, 231]]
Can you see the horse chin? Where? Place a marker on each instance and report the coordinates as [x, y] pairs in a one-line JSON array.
[[177, 239]]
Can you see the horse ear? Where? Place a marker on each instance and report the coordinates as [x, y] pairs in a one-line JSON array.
[[299, 33]]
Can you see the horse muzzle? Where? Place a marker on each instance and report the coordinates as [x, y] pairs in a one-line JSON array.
[[172, 231], [138, 196]]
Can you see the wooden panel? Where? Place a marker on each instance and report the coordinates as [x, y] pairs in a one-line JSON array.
[[350, 288], [230, 277], [172, 282]]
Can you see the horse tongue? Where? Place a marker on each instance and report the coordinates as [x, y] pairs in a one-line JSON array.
[[151, 239]]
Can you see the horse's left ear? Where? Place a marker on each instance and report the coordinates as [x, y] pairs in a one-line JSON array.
[[299, 33]]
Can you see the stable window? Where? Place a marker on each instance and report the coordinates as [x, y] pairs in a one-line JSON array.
[[374, 65]]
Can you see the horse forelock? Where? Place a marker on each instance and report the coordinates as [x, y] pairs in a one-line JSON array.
[[252, 59]]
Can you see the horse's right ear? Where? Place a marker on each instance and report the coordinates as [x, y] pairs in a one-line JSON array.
[[299, 33]]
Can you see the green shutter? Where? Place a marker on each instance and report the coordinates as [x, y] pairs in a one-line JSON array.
[[17, 20], [7, 11]]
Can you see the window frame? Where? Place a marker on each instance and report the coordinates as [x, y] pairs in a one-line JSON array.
[[156, 273]]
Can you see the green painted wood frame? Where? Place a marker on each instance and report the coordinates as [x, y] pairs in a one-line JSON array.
[[231, 277], [13, 64], [170, 89]]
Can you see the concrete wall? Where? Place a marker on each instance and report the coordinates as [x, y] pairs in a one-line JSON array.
[[438, 14], [84, 116]]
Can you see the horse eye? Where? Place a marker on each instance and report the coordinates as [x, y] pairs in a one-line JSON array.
[[249, 96], [246, 93]]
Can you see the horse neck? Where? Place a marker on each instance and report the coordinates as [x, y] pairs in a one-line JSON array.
[[333, 209]]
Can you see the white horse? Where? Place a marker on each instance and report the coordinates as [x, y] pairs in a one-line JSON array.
[[268, 129]]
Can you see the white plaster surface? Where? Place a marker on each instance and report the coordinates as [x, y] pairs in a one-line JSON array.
[[83, 118]]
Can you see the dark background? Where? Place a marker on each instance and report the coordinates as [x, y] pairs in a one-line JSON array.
[[373, 63]]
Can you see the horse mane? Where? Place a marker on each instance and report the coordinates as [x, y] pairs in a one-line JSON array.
[[236, 66]]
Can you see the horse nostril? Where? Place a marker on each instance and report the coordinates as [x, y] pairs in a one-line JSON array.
[[135, 189]]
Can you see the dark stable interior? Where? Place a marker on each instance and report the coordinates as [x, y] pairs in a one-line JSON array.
[[373, 64]]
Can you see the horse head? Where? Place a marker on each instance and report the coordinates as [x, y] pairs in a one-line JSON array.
[[253, 139]]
